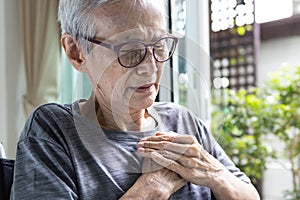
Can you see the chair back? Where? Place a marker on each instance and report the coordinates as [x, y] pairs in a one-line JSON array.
[[6, 177]]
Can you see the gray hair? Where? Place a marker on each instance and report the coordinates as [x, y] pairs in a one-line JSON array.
[[76, 18]]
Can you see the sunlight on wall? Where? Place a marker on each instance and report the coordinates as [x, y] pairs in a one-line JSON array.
[[270, 10]]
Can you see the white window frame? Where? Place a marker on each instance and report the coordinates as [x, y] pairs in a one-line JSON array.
[[197, 55]]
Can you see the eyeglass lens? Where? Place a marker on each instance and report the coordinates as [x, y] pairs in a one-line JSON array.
[[132, 53]]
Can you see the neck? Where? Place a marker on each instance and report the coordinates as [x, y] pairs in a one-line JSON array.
[[118, 118]]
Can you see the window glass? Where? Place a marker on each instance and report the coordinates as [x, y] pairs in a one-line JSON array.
[[73, 85], [191, 62], [179, 63]]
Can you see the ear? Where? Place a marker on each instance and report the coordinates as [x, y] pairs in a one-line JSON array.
[[73, 52]]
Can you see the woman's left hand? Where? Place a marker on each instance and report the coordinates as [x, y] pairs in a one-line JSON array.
[[183, 155]]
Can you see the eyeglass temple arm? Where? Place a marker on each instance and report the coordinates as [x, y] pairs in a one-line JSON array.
[[109, 46]]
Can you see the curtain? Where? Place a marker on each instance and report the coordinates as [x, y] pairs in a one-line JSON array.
[[41, 51]]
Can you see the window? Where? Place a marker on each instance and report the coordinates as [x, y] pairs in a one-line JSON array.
[[73, 85], [191, 62]]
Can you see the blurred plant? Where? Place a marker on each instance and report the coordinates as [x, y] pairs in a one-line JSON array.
[[248, 117], [238, 129], [284, 117], [290, 195]]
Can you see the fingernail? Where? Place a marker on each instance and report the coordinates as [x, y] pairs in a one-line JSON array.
[[159, 133], [140, 144], [141, 150]]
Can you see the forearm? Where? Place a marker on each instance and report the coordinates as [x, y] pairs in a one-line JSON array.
[[227, 186], [143, 189]]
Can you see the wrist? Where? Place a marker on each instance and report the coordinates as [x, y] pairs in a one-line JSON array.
[[144, 188], [223, 185], [218, 179], [153, 188]]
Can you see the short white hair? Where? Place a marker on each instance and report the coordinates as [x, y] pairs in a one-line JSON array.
[[77, 18]]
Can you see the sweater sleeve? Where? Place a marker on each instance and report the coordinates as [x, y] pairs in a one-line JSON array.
[[43, 167]]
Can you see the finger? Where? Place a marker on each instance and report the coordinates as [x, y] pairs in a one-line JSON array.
[[161, 160], [147, 153], [167, 163], [188, 162], [194, 175], [180, 139], [170, 155], [194, 150], [164, 145], [144, 152]]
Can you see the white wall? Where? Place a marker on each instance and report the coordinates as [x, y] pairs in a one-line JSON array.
[[3, 128], [277, 179], [275, 53], [12, 77], [272, 55]]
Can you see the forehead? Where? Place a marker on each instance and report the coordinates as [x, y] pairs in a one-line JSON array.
[[130, 18]]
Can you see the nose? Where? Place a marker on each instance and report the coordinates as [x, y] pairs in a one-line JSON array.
[[149, 64]]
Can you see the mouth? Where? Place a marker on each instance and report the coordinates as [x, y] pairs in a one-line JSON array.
[[145, 88]]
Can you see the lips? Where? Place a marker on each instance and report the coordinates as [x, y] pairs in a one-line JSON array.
[[145, 88]]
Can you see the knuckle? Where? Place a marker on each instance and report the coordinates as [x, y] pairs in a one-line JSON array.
[[163, 144], [172, 165], [194, 139], [150, 144], [193, 173], [164, 153], [192, 163], [193, 149], [166, 137], [146, 144]]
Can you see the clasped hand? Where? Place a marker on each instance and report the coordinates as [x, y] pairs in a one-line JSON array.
[[183, 155]]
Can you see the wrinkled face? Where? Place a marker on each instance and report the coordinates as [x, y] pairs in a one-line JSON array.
[[117, 23]]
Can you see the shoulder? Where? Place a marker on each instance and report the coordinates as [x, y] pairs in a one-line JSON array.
[[46, 120], [51, 109]]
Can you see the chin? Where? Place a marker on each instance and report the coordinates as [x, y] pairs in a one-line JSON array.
[[144, 103]]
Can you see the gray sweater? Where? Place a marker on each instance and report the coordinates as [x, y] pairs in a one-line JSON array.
[[63, 155]]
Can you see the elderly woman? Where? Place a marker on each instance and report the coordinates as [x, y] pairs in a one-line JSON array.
[[119, 144]]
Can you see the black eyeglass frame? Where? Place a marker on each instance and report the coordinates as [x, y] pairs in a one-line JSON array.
[[117, 48]]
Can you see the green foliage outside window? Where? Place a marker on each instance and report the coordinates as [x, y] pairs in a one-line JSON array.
[[249, 117], [237, 127]]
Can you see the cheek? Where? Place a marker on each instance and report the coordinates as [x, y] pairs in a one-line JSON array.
[[160, 72], [99, 64], [120, 88], [114, 82]]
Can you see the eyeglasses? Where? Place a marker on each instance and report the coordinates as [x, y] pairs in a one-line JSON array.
[[130, 54]]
